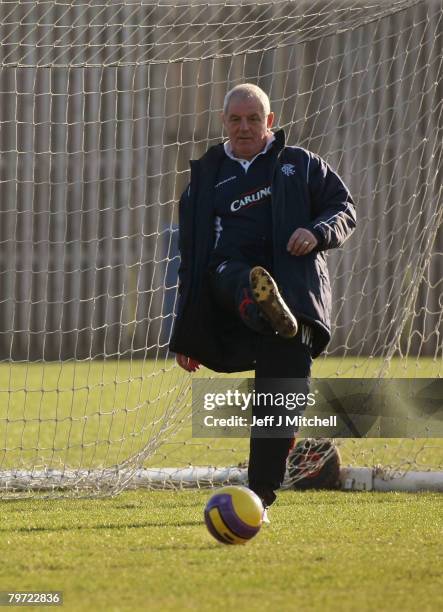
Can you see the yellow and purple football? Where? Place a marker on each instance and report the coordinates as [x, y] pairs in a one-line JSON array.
[[234, 515]]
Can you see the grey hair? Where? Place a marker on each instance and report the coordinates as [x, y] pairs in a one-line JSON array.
[[245, 91]]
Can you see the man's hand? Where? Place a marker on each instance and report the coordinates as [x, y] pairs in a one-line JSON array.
[[188, 364], [301, 242]]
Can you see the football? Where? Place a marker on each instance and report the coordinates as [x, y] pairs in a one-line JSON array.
[[234, 515]]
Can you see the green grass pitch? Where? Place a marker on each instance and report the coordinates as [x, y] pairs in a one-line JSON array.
[[150, 551], [96, 414]]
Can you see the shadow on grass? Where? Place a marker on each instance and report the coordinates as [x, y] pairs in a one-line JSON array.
[[94, 527], [178, 547]]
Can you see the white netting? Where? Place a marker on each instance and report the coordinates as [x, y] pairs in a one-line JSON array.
[[102, 106]]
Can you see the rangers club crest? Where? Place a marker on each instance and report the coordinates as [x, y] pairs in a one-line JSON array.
[[288, 169]]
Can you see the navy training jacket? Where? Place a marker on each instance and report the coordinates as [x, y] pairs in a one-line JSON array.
[[305, 192]]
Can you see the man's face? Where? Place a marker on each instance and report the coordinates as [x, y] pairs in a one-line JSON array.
[[247, 126]]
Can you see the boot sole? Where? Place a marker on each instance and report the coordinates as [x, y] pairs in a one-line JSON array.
[[270, 302]]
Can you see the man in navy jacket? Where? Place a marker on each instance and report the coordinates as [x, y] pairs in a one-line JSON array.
[[258, 213]]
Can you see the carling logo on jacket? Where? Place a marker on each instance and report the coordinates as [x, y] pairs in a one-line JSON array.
[[251, 198]]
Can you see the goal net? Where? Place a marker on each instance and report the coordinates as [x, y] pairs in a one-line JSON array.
[[102, 104]]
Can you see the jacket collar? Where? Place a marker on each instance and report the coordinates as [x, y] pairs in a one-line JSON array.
[[280, 139]]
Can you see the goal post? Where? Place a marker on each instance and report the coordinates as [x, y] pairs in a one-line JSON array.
[[102, 104]]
